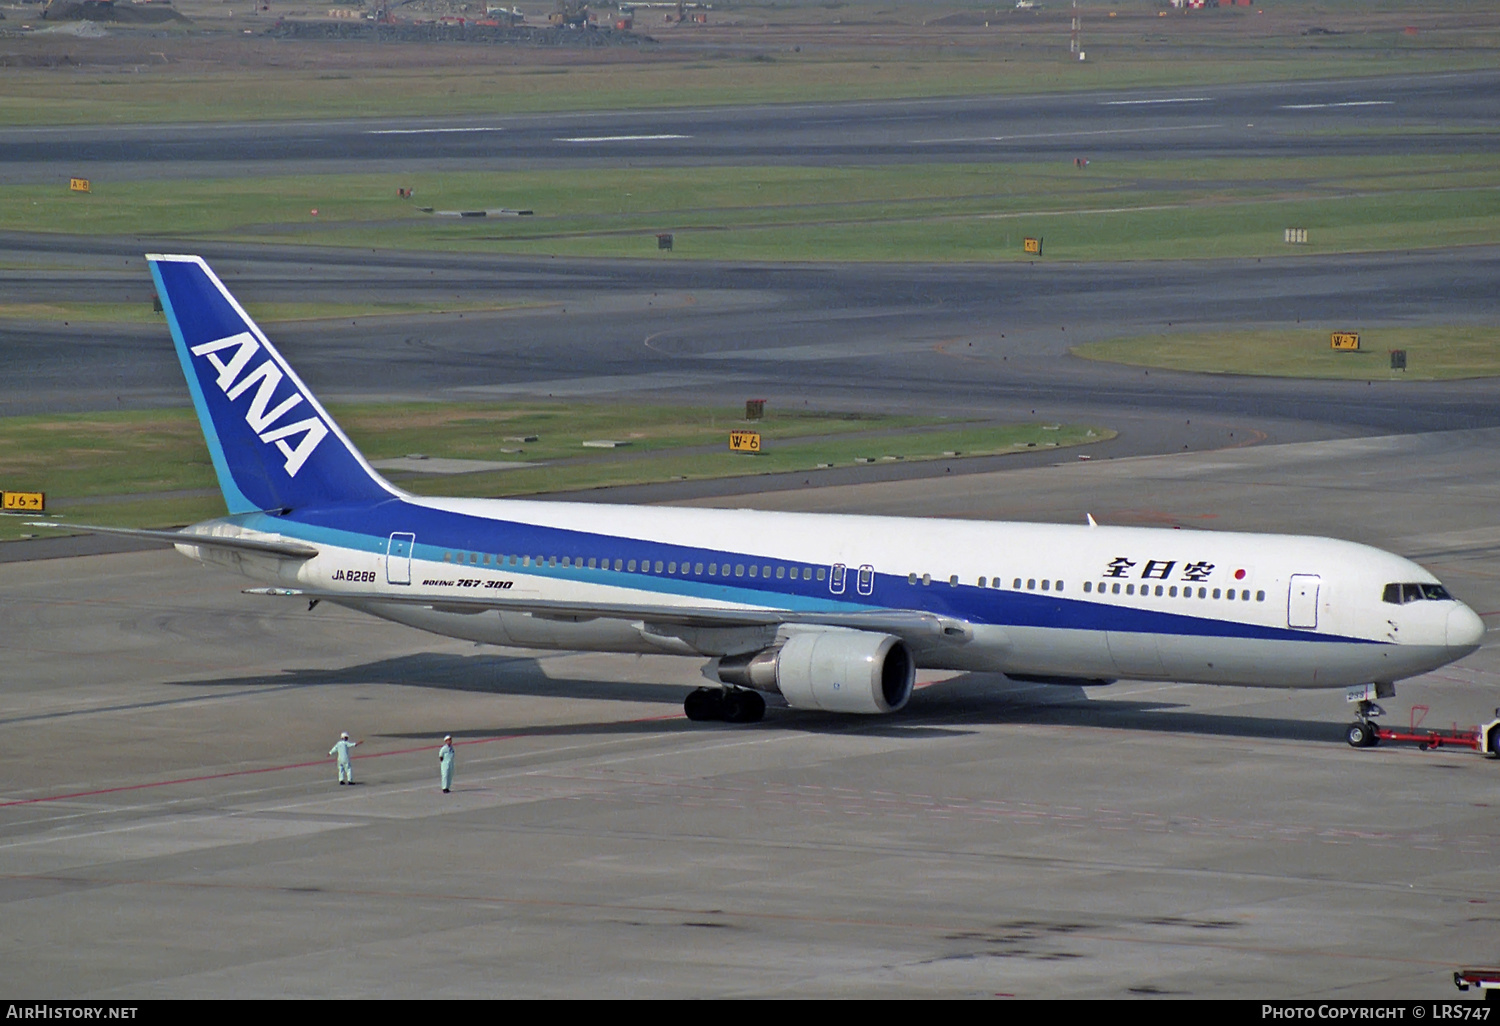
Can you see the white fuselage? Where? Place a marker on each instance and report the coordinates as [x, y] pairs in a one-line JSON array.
[[1028, 599]]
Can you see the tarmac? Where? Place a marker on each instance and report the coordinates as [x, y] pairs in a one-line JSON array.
[[170, 824]]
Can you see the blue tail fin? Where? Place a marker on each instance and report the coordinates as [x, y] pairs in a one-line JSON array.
[[273, 445]]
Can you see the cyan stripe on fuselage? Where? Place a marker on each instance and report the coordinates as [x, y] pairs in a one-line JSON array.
[[367, 528]]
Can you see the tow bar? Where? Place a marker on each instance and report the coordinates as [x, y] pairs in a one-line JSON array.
[[1484, 739]]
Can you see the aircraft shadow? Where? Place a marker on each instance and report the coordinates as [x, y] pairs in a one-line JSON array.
[[982, 698], [484, 674], [952, 708]]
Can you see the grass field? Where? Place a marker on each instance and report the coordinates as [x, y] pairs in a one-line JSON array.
[[1435, 353], [1141, 209], [775, 52], [151, 468]]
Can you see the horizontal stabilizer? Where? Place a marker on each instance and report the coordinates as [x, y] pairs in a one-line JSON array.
[[269, 546]]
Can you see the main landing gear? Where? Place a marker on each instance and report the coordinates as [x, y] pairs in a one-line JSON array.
[[732, 705], [1365, 732]]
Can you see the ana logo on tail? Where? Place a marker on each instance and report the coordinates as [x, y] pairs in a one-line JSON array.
[[234, 381]]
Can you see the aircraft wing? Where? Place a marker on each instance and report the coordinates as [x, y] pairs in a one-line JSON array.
[[296, 550], [901, 622]]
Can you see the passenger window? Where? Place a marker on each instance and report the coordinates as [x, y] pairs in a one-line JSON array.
[[1216, 593], [1130, 589], [630, 566], [1158, 591], [1088, 586], [698, 569], [822, 572], [953, 581], [1115, 590], [1057, 586], [754, 570], [780, 572], [1017, 585], [713, 569], [1172, 591], [1031, 584], [658, 566], [981, 582], [911, 578], [926, 579], [1260, 596], [1046, 585]]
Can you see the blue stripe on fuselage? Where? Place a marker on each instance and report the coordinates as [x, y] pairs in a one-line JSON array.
[[367, 528]]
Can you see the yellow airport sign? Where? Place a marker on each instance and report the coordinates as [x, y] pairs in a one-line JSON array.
[[1032, 245], [1344, 339], [24, 502], [744, 441], [79, 184]]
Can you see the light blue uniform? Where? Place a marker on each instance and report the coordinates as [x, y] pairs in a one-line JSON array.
[[341, 748], [445, 765]]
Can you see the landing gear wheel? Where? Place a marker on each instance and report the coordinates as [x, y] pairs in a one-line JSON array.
[[1361, 734], [705, 704], [744, 707]]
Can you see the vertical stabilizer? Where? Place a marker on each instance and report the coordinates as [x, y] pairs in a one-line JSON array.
[[273, 444]]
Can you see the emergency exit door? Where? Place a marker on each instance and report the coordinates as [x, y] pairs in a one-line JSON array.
[[398, 558], [1302, 601]]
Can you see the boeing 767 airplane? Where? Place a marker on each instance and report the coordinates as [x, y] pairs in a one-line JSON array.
[[830, 612]]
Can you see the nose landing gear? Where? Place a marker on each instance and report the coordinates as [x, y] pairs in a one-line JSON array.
[[1364, 732], [732, 705]]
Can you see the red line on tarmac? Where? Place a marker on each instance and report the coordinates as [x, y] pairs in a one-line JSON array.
[[275, 769]]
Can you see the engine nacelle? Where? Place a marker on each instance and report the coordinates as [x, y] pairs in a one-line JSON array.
[[836, 670]]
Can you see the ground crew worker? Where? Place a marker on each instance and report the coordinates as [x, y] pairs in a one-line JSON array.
[[341, 748], [445, 764]]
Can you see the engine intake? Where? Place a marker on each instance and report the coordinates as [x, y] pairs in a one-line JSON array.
[[842, 671]]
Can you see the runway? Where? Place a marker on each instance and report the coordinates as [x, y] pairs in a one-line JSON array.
[[1427, 114], [169, 825]]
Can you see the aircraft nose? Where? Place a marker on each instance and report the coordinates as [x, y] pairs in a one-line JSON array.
[[1465, 628]]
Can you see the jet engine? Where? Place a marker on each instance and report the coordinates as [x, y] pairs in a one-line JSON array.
[[835, 670]]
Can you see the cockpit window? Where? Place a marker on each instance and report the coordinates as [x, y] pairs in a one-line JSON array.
[[1400, 594]]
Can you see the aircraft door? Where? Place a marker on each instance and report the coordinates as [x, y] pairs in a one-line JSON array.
[[398, 558], [866, 581], [1302, 601], [836, 579]]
